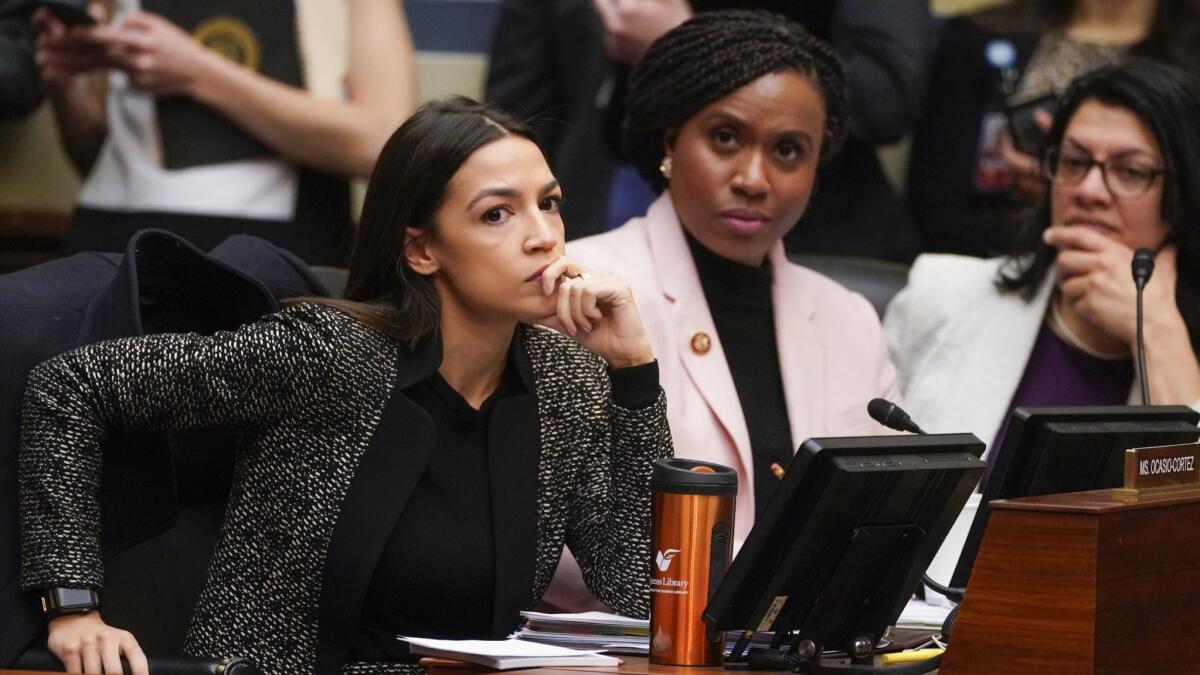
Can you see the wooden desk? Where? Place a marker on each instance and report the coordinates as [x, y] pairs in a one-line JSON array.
[[30, 237], [640, 665], [633, 665]]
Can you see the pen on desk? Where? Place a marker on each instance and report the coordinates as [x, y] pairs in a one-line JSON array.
[[777, 470], [909, 657]]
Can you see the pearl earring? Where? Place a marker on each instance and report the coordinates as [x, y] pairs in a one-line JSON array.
[[665, 168]]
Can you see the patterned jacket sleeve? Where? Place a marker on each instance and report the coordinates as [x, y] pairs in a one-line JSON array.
[[609, 527], [243, 380]]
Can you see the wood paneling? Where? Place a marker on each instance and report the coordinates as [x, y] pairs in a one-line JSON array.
[[29, 237], [1099, 582]]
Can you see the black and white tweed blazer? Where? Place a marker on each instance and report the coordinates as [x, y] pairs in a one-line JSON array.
[[333, 450]]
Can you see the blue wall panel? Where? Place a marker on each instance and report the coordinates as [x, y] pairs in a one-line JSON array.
[[452, 25]]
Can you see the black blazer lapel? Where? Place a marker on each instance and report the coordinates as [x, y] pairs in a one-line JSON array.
[[514, 451], [383, 481]]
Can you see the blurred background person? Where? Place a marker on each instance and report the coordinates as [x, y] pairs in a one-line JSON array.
[[1055, 323], [535, 71], [548, 64], [729, 116], [969, 188], [20, 90], [220, 117]]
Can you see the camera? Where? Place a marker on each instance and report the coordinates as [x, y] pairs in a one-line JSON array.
[[1025, 133]]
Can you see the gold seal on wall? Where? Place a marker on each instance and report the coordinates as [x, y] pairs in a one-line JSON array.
[[230, 38]]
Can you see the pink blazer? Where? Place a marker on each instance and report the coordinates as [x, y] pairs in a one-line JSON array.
[[832, 354]]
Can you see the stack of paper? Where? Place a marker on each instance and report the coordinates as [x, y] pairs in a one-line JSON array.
[[921, 614], [602, 632], [588, 630], [508, 654]]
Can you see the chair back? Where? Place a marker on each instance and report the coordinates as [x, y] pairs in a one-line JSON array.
[[877, 280], [334, 279]]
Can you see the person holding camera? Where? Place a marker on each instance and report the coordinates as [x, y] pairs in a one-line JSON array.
[[20, 91], [216, 118], [1055, 323], [975, 169]]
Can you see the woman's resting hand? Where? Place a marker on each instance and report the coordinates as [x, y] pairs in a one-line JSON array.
[[85, 644]]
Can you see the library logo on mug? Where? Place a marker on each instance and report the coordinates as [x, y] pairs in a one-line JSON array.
[[664, 558]]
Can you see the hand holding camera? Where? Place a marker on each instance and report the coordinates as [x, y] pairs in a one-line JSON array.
[[1028, 123]]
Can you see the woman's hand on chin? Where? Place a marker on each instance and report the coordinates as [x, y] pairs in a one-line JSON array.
[[597, 309], [1095, 276]]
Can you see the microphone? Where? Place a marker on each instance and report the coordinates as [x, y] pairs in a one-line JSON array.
[[892, 416], [1143, 267]]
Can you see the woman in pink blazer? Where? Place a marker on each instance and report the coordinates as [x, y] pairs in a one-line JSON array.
[[728, 117]]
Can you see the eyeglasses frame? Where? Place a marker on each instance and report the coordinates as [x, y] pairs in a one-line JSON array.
[[1054, 153]]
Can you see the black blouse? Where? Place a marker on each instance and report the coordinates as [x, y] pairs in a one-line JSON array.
[[435, 578], [739, 298]]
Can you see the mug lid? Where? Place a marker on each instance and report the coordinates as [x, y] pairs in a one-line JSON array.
[[687, 475]]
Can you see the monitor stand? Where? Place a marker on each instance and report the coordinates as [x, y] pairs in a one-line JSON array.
[[873, 564]]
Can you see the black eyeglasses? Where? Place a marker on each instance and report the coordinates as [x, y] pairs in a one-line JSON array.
[[1125, 178]]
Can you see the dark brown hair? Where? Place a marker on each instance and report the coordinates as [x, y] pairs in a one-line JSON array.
[[406, 190]]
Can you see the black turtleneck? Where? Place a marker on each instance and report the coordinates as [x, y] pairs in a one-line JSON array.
[[739, 298]]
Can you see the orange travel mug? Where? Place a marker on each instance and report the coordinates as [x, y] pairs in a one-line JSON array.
[[691, 534]]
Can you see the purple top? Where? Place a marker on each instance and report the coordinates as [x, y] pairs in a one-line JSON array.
[[1059, 373]]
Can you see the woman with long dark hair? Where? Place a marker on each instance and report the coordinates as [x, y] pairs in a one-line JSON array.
[[416, 454], [1055, 323]]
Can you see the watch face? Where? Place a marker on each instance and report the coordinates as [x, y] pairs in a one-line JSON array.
[[73, 598]]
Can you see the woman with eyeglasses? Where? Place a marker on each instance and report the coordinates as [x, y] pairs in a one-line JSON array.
[[1055, 323], [971, 182]]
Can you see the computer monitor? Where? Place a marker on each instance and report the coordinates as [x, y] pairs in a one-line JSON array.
[[844, 540], [1070, 449]]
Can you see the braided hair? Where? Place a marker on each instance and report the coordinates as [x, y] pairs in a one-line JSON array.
[[711, 55]]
